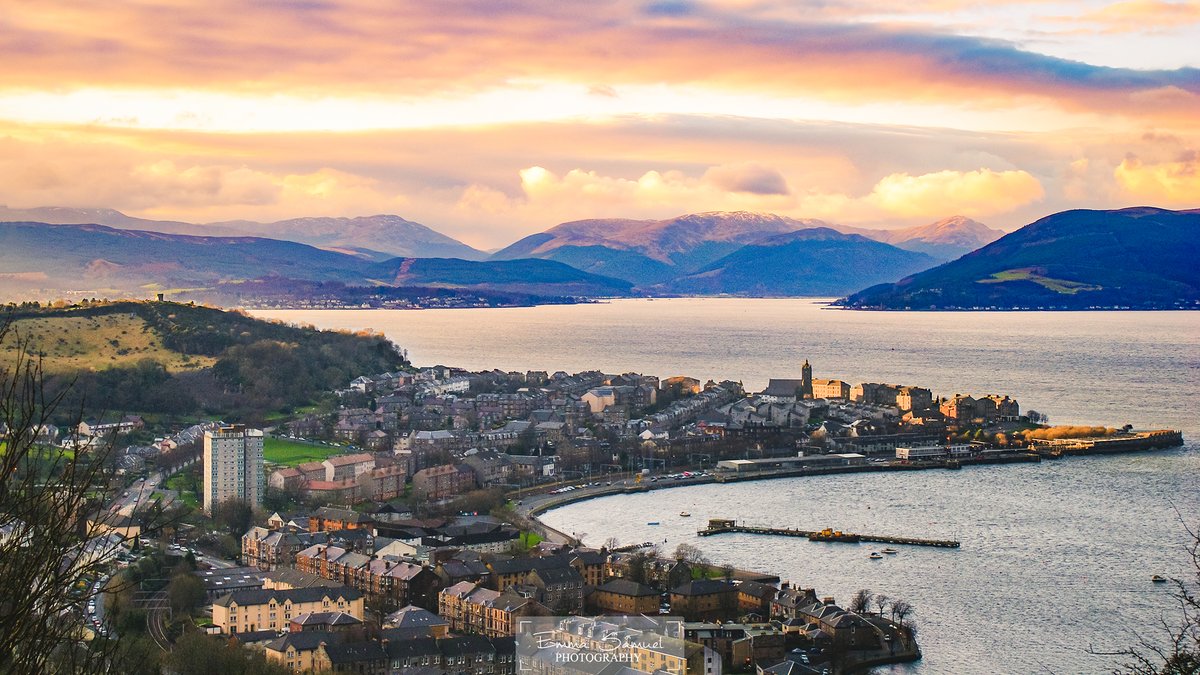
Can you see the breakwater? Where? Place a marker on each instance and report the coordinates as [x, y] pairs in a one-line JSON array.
[[722, 526]]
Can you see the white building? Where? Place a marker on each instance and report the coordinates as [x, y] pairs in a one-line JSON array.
[[233, 465], [934, 451]]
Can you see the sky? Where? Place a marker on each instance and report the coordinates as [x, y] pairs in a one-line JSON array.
[[489, 120]]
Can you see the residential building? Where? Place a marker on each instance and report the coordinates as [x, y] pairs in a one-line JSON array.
[[344, 467], [961, 408], [755, 598], [559, 588], [329, 518], [413, 617], [789, 600], [622, 596], [233, 466], [296, 650], [914, 399], [830, 389], [324, 622], [398, 582], [471, 608], [443, 481], [248, 611], [490, 467], [705, 600]]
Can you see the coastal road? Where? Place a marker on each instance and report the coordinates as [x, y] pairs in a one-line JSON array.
[[529, 505]]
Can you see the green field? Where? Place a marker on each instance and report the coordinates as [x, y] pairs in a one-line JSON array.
[[1026, 274], [290, 453]]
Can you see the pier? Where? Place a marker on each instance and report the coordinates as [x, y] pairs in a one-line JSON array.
[[722, 526], [1124, 442]]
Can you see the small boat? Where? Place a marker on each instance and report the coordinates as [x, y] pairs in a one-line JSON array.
[[890, 551], [684, 514], [875, 556], [1158, 579], [653, 522]]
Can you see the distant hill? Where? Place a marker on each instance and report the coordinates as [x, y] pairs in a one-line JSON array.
[[378, 237], [522, 276], [1130, 258], [101, 258], [97, 256], [62, 215], [387, 234], [648, 252], [815, 261], [945, 239]]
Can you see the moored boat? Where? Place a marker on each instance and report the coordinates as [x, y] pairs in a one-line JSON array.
[[875, 555], [890, 551], [1158, 579]]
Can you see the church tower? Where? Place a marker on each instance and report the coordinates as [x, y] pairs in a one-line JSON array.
[[806, 380]]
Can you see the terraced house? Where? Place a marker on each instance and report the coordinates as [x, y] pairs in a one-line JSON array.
[[396, 582], [470, 608], [249, 611]]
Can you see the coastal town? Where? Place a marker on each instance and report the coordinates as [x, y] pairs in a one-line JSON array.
[[398, 529]]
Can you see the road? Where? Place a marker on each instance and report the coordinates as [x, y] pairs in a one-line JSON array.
[[530, 504], [141, 490]]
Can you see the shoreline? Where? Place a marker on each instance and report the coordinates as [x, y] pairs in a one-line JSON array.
[[547, 502]]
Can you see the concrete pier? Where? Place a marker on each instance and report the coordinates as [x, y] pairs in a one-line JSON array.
[[720, 526]]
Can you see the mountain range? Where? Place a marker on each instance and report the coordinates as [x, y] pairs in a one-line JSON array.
[[1130, 258], [1139, 257], [374, 237], [41, 255], [748, 253], [712, 253]]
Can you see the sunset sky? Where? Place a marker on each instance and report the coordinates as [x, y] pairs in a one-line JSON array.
[[492, 119]]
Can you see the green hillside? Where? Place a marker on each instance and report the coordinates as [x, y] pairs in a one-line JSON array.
[[1138, 258], [173, 358]]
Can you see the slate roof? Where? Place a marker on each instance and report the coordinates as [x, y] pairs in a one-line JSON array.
[[325, 619], [354, 653], [296, 595], [413, 616], [628, 588], [703, 587], [303, 641]]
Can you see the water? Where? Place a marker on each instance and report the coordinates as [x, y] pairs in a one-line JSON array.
[[1056, 556]]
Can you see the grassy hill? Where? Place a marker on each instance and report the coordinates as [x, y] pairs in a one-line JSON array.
[[172, 358], [71, 343]]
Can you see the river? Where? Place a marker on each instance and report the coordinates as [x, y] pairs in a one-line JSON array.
[[1056, 556]]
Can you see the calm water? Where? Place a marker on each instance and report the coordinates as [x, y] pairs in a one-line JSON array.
[[1055, 557]]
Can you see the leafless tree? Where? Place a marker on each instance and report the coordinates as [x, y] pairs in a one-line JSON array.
[[690, 554], [861, 602], [881, 601], [611, 543], [901, 609], [55, 533]]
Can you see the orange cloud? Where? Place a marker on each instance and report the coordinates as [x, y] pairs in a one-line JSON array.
[[408, 49], [1138, 15], [1170, 183], [973, 193]]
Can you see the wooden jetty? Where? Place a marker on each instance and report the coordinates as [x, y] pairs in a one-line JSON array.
[[723, 526]]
